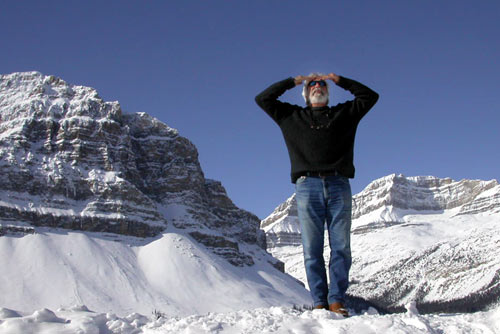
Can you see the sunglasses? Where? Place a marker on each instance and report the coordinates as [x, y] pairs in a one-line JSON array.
[[313, 83]]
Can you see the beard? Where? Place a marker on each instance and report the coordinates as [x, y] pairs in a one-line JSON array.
[[318, 98]]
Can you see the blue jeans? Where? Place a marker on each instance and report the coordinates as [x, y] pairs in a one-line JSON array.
[[327, 200]]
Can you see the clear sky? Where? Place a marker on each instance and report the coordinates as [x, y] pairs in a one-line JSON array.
[[197, 66]]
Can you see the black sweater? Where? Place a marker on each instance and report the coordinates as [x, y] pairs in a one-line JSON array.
[[318, 139]]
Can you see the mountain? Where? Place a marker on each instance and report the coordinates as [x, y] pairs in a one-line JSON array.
[[421, 239], [83, 182], [71, 160]]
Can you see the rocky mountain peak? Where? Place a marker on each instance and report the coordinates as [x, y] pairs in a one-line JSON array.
[[418, 193], [72, 160], [34, 95]]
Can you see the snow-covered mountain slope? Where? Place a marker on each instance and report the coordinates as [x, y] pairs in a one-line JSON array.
[[112, 210], [171, 273], [424, 239]]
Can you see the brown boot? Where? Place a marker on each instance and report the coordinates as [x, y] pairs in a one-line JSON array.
[[339, 308]]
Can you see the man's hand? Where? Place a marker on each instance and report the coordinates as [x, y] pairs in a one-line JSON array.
[[299, 79], [332, 76]]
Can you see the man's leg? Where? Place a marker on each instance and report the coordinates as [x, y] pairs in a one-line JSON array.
[[311, 212], [339, 207]]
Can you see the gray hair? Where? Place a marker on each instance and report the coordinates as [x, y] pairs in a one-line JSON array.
[[305, 89]]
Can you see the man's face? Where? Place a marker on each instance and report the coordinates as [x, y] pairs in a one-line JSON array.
[[318, 92]]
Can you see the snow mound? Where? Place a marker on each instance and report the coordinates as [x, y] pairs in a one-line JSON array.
[[122, 274], [79, 319]]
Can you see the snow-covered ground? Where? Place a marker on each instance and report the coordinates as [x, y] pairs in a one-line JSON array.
[[132, 285], [61, 281], [172, 273], [80, 320]]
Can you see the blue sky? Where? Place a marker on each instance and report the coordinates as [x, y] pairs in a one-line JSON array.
[[197, 66]]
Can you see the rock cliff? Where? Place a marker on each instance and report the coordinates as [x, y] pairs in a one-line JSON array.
[[72, 160], [424, 193]]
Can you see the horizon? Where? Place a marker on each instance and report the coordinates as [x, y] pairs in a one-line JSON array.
[[197, 67]]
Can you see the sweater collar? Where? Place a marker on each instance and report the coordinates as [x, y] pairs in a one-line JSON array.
[[324, 108]]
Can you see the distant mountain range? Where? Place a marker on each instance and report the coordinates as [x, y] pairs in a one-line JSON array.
[[414, 239]]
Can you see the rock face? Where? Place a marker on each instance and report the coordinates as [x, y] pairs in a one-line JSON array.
[[419, 239], [71, 160], [425, 193], [282, 225]]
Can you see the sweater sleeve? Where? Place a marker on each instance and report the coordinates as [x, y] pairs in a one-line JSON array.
[[364, 97], [268, 100]]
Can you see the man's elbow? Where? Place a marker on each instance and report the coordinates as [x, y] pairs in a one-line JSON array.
[[374, 98], [260, 100]]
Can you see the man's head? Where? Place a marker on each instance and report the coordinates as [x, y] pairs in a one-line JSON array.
[[315, 91]]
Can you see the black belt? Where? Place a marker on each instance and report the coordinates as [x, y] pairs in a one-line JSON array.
[[319, 174]]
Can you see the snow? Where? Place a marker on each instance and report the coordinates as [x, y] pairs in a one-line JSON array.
[[284, 224], [62, 281], [79, 319], [119, 274]]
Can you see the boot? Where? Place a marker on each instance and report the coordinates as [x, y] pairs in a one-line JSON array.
[[339, 308]]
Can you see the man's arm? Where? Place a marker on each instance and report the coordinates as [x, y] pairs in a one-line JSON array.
[[332, 76], [268, 99], [364, 97]]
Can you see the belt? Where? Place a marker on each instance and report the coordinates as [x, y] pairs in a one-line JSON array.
[[319, 174]]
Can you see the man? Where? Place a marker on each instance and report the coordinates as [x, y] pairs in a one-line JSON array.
[[320, 142]]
